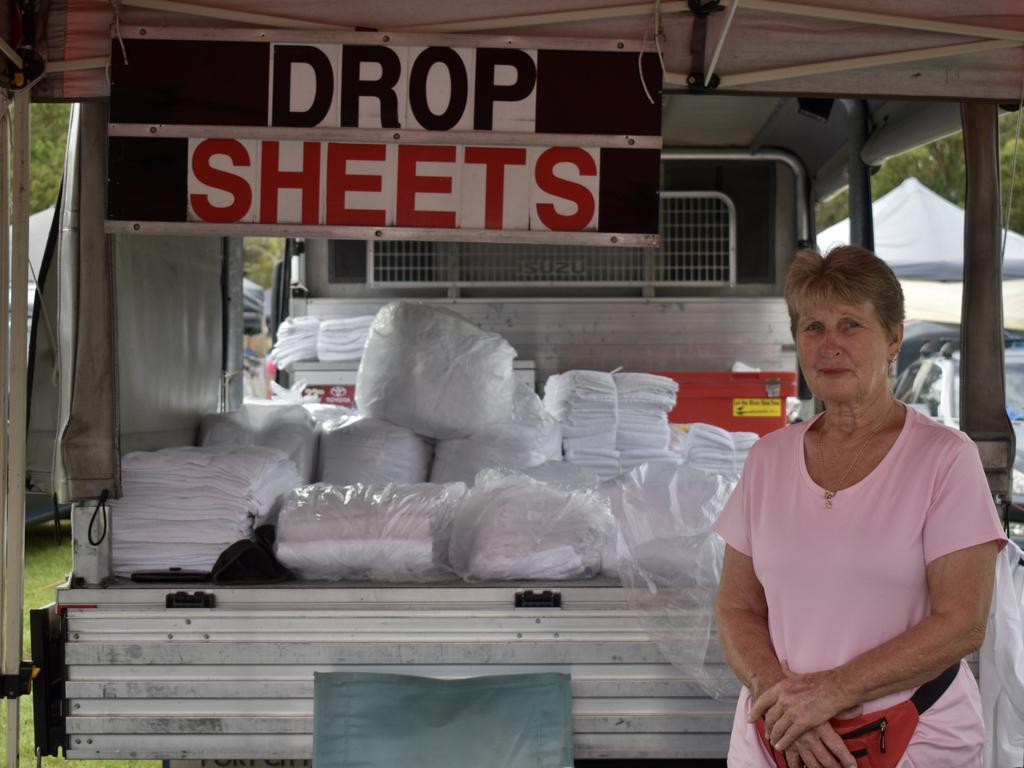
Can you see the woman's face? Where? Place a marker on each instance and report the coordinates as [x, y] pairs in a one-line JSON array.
[[844, 351]]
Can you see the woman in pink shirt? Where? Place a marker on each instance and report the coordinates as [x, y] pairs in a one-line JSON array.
[[861, 550]]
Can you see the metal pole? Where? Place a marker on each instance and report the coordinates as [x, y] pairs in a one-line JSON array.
[[5, 253], [17, 385], [862, 229], [848, 65], [982, 386]]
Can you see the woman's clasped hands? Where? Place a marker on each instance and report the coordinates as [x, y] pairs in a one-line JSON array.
[[796, 712]]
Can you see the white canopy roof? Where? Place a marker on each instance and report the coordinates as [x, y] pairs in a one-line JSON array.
[[921, 235], [941, 302], [939, 49]]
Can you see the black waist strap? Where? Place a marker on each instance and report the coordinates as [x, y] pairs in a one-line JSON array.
[[930, 692]]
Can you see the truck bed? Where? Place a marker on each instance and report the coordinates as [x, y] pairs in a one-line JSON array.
[[144, 680]]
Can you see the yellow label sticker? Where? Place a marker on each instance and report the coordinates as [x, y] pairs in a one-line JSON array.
[[756, 406]]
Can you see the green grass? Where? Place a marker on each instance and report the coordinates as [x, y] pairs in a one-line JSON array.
[[46, 566]]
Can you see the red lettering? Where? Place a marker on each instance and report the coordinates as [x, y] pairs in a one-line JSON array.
[[409, 184], [273, 180], [236, 186], [340, 182], [544, 173], [495, 159]]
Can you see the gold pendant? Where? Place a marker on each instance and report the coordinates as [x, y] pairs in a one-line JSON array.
[[829, 495]]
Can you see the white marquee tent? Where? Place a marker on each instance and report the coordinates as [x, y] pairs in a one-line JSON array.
[[921, 236]]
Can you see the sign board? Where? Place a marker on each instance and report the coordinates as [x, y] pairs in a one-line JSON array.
[[366, 135]]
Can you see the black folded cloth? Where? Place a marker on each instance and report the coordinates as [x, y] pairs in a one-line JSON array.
[[250, 561]]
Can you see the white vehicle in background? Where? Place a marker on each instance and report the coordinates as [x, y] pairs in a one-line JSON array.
[[931, 384]]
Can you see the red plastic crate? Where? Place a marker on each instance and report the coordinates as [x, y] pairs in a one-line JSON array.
[[739, 402]]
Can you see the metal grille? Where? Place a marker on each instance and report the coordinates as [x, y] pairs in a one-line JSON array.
[[698, 247]]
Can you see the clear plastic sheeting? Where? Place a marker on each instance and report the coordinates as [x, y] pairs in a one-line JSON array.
[[372, 452], [534, 437], [670, 562], [295, 394], [366, 532], [512, 527], [329, 416], [432, 371], [286, 427]]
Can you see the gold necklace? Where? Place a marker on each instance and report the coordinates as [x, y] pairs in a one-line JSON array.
[[829, 495]]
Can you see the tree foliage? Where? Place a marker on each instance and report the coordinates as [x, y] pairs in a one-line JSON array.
[[940, 167], [261, 254], [49, 139]]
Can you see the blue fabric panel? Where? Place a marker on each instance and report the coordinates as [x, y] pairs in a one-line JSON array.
[[364, 720]]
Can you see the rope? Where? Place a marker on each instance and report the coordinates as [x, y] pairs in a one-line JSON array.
[[115, 25], [658, 33], [1013, 174]]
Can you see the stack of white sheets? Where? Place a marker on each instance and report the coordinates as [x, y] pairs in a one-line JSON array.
[[343, 338], [612, 422], [717, 450], [181, 507], [586, 404], [643, 431], [296, 340], [380, 533]]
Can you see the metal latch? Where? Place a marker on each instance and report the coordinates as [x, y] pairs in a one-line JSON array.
[[195, 600], [21, 683], [545, 599], [772, 387]]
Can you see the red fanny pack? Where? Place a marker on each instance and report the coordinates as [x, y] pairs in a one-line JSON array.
[[879, 739]]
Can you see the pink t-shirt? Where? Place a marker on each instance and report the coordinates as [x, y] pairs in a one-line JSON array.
[[841, 581]]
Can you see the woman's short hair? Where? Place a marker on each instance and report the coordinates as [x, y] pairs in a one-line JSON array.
[[847, 274]]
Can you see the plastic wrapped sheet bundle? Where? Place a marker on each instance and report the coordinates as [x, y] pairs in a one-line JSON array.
[[670, 561], [343, 338], [380, 533], [181, 507], [533, 438], [286, 427], [372, 452], [716, 450], [431, 371], [513, 527], [296, 340], [328, 416]]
